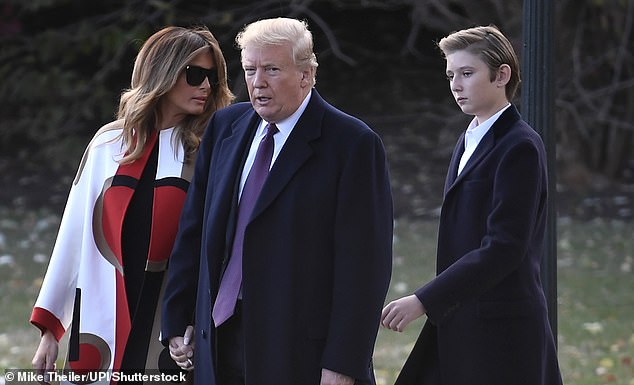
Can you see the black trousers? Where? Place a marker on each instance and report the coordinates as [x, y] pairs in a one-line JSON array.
[[230, 353]]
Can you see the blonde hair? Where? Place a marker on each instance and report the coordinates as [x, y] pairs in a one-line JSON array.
[[492, 46], [282, 31], [159, 63]]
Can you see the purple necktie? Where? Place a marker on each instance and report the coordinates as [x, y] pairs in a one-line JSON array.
[[232, 278]]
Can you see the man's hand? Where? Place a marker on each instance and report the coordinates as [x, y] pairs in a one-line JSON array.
[[328, 377], [399, 313], [182, 349]]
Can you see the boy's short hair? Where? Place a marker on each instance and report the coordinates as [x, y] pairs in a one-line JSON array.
[[491, 45]]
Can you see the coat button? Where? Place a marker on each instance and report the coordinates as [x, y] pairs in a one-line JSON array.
[[203, 332]]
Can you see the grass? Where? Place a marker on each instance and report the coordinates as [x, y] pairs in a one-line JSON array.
[[596, 302], [26, 239], [595, 293]]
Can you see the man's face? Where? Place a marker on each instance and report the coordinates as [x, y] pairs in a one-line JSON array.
[[471, 85], [276, 85]]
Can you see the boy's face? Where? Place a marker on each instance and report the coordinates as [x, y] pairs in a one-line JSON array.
[[471, 85]]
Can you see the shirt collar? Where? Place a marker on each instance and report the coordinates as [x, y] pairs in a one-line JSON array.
[[286, 126], [475, 132]]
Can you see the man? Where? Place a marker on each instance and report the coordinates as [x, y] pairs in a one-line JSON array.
[[487, 319], [313, 255]]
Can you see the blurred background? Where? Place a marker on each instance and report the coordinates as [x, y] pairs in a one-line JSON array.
[[64, 63]]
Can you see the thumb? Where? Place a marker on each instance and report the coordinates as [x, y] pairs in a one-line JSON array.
[[189, 332]]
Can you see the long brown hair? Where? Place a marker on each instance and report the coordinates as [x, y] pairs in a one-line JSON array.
[[161, 60]]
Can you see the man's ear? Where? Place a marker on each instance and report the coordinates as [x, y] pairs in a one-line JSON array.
[[307, 77], [503, 75]]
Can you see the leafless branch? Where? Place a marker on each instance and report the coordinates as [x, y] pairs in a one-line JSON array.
[[330, 36], [620, 60]]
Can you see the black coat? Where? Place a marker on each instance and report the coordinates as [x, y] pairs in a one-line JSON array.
[[317, 251], [487, 317]]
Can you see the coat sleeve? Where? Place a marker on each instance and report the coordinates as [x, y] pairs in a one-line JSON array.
[[362, 257], [517, 196], [53, 308], [182, 276]]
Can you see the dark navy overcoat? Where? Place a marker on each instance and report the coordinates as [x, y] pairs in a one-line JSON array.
[[487, 318], [317, 250]]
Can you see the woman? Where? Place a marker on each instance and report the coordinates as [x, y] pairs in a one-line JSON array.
[[106, 270]]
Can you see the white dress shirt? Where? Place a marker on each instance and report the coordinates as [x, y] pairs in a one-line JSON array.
[[474, 134], [285, 128]]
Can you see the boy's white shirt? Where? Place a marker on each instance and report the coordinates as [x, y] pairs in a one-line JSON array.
[[474, 134]]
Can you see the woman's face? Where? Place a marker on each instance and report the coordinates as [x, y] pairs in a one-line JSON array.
[[187, 99]]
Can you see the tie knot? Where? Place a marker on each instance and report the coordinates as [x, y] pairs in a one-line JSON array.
[[271, 129]]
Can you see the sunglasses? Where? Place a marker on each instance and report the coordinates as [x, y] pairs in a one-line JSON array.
[[196, 75]]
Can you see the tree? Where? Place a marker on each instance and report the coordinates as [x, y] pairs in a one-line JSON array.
[[64, 64], [595, 85], [595, 72]]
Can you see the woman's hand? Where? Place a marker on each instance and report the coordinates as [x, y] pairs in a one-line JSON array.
[[45, 355]]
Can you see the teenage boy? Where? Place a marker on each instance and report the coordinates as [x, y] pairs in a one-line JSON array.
[[487, 319]]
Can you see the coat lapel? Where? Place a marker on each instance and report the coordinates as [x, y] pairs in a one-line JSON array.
[[484, 147], [233, 148], [295, 152], [488, 142], [231, 157], [452, 173]]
